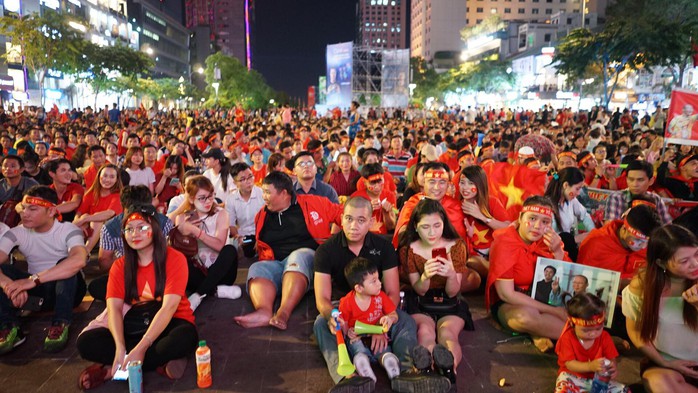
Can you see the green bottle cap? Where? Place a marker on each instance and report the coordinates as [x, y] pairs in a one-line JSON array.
[[202, 343]]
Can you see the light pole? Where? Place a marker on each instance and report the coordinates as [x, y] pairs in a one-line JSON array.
[[215, 87]]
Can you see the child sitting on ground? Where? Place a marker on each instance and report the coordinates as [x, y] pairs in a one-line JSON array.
[[584, 346], [368, 304]]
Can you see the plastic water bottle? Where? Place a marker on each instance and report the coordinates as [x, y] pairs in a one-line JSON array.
[[335, 315], [602, 378], [203, 365], [402, 301]]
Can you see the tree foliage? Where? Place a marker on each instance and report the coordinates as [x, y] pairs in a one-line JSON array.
[[237, 85], [490, 25], [45, 41], [489, 76], [425, 78]]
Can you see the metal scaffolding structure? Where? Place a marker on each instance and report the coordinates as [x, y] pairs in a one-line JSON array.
[[367, 72]]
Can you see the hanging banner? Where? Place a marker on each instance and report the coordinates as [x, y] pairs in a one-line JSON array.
[[321, 90], [395, 73], [682, 128], [339, 69], [311, 96]]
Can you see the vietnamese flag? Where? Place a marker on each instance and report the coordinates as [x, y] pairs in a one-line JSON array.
[[512, 184]]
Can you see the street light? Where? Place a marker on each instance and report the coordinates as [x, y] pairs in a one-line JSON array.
[[215, 87]]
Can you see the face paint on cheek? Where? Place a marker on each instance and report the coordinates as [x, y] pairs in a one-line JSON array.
[[473, 190], [571, 194]]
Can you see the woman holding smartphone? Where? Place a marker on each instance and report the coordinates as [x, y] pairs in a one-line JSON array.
[[435, 256]]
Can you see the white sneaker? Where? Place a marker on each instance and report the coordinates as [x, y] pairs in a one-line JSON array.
[[363, 366], [195, 300], [391, 364], [228, 292]]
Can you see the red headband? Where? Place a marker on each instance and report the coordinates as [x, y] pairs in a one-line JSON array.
[[595, 320], [538, 209], [638, 202], [634, 232], [32, 200], [375, 177], [685, 160], [532, 163], [567, 154], [584, 160], [436, 174], [134, 216]]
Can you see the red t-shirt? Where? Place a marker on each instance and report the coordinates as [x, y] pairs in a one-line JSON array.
[[569, 348], [110, 202], [380, 227], [259, 175], [90, 175], [71, 190], [602, 248], [380, 305], [175, 282]]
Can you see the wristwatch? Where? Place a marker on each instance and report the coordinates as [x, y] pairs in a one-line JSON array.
[[35, 278]]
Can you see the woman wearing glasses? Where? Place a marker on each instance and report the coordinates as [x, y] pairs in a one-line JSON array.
[[214, 269], [149, 274]]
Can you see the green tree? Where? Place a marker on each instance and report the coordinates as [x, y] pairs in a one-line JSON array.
[[45, 42], [489, 76], [102, 66], [426, 79], [237, 85]]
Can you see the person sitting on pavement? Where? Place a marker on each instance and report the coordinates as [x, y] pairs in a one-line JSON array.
[[620, 245], [69, 194], [218, 171], [435, 257], [14, 184], [111, 245], [288, 231], [150, 276], [382, 200], [305, 169], [55, 254], [682, 184], [513, 257], [331, 258], [640, 176], [242, 206], [215, 267]]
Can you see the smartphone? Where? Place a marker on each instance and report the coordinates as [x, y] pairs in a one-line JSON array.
[[439, 252], [247, 240], [174, 181], [120, 375]]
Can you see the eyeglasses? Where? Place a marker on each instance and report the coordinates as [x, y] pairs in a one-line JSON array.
[[305, 164], [134, 230], [244, 179], [205, 198]]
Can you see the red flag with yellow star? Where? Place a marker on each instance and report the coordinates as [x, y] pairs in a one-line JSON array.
[[512, 184]]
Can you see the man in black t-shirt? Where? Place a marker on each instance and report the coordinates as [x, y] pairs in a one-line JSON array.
[[331, 257]]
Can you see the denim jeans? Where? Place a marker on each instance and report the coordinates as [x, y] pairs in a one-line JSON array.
[[60, 296], [403, 333]]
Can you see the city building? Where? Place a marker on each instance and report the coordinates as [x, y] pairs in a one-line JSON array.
[[435, 26], [382, 24], [535, 11]]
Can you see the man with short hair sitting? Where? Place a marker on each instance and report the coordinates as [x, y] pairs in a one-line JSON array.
[[55, 253]]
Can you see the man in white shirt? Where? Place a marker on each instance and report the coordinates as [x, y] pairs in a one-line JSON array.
[[55, 253], [242, 206]]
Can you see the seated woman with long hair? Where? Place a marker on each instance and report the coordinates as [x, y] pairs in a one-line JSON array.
[[435, 257], [660, 308], [169, 183], [100, 203], [149, 275], [513, 257], [215, 267], [563, 190], [483, 215]]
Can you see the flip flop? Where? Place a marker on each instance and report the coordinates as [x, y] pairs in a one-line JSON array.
[[174, 369], [95, 377]]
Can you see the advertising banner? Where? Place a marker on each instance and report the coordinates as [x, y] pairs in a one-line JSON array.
[[682, 128], [339, 69], [321, 89], [395, 79], [311, 96]]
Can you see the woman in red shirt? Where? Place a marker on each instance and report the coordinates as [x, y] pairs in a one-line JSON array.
[[148, 272], [169, 183], [513, 257], [344, 176], [100, 203]]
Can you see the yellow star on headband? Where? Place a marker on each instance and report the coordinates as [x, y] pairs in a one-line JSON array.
[[514, 194]]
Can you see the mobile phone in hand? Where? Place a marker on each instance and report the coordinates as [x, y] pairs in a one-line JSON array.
[[439, 252], [120, 375]]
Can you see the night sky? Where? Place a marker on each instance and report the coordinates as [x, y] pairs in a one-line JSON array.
[[291, 36]]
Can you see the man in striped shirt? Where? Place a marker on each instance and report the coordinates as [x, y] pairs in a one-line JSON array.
[[395, 161]]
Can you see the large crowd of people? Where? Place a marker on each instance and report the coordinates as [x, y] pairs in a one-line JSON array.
[[391, 216]]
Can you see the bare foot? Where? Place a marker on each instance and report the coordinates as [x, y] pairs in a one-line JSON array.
[[543, 344], [279, 321], [258, 318]]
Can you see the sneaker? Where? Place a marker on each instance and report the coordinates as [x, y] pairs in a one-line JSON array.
[[443, 361], [412, 382], [356, 384], [391, 364], [10, 337], [228, 292], [57, 337], [363, 366], [195, 300]]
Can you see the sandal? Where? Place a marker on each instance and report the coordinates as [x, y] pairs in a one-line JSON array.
[[93, 376], [174, 369]]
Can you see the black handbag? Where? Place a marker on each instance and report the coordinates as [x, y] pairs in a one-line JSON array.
[[138, 318]]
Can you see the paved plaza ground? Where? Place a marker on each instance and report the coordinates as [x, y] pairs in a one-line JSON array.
[[270, 361]]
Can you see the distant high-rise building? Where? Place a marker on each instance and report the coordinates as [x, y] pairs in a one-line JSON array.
[[220, 25], [534, 11], [382, 24], [435, 26]]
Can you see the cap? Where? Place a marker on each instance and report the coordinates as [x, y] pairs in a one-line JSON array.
[[429, 152], [254, 149], [526, 151], [215, 153]]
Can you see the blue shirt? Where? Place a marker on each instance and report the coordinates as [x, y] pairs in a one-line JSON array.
[[319, 188]]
